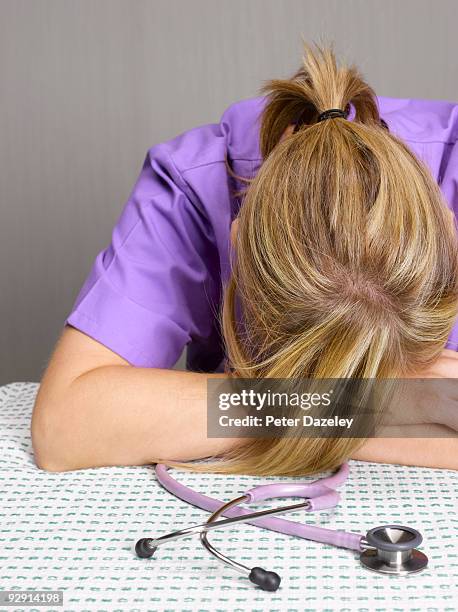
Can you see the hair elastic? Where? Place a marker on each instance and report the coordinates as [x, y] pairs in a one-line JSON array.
[[331, 113]]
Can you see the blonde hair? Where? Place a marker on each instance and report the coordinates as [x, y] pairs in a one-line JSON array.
[[345, 263]]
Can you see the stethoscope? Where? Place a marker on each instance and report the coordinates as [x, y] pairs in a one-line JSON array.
[[389, 549]]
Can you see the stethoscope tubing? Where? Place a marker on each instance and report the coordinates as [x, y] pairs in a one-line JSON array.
[[342, 539]]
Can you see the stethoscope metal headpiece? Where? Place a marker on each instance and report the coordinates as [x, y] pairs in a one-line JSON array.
[[392, 549]]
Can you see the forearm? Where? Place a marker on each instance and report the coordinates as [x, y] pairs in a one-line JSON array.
[[118, 415], [440, 452]]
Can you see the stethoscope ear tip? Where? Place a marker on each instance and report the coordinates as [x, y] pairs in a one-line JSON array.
[[143, 549], [267, 581]]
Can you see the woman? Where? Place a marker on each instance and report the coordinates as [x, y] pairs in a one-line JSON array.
[[344, 265]]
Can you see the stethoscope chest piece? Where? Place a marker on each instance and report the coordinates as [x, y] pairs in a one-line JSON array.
[[391, 549]]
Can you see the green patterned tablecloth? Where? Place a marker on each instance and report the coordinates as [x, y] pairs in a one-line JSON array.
[[75, 531]]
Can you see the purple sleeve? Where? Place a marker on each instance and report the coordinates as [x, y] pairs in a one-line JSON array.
[[449, 186], [154, 287]]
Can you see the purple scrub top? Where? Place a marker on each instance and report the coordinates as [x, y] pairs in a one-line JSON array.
[[157, 286]]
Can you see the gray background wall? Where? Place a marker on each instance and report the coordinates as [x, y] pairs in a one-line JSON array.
[[87, 86]]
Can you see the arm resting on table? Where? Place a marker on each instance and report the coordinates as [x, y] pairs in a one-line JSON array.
[[94, 409]]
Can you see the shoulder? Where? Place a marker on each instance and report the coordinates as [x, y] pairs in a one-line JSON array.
[[236, 136], [421, 120], [430, 130], [195, 160]]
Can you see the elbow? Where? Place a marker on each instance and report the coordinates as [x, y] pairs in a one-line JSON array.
[[48, 462], [47, 452], [47, 465]]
